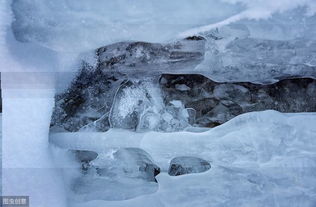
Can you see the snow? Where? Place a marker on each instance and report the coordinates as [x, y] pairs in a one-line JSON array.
[[256, 10], [27, 85], [257, 159], [27, 167]]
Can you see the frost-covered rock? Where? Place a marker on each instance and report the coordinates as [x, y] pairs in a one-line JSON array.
[[136, 162], [124, 72], [84, 157], [85, 105], [187, 165], [123, 89], [114, 174], [143, 58]]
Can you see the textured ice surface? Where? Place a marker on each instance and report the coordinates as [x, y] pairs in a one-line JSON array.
[[62, 24], [53, 23], [140, 106], [258, 159], [234, 54], [244, 38]]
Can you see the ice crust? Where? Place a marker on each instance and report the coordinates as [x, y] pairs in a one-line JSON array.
[[258, 159], [244, 38], [52, 24]]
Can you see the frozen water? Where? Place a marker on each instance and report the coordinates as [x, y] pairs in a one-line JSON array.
[[257, 159], [245, 51], [62, 24], [139, 105], [257, 29], [52, 23]]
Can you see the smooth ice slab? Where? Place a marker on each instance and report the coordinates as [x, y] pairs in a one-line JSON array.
[[255, 157]]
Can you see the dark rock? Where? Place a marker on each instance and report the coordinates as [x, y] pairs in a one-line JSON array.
[[139, 159], [85, 155], [195, 38], [187, 165], [131, 163], [215, 103]]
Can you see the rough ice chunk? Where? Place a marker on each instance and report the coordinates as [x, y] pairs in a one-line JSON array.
[[139, 105], [187, 165]]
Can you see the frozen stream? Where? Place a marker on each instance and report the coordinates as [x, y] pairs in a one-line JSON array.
[[260, 159]]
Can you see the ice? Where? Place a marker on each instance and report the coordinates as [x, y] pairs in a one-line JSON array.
[[257, 159], [239, 28], [62, 24], [262, 10], [115, 174], [52, 23], [261, 50], [139, 105]]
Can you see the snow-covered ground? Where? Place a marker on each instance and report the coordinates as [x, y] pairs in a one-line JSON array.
[[27, 166]]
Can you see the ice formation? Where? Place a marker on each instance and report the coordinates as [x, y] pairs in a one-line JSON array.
[[105, 96], [149, 77], [258, 158]]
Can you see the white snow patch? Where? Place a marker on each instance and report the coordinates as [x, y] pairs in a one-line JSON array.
[[256, 9]]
